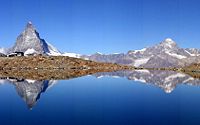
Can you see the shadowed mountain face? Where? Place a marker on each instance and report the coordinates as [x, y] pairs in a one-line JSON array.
[[31, 90]]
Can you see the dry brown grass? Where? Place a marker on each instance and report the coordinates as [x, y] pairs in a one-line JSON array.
[[45, 67]]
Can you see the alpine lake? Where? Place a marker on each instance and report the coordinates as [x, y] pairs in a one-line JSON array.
[[109, 98]]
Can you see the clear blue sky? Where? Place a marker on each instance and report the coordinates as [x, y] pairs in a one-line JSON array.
[[107, 26]]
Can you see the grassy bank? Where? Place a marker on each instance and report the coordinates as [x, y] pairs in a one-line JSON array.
[[54, 62], [49, 67]]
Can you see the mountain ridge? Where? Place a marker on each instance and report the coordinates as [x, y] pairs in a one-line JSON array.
[[165, 54]]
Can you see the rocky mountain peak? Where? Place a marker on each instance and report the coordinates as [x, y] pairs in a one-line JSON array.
[[169, 43], [30, 39], [29, 25], [165, 54], [30, 32]]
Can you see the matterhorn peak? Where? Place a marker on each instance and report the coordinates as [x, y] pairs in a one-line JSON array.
[[29, 25], [29, 41], [29, 22]]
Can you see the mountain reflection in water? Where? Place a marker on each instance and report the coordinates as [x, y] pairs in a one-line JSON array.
[[30, 90]]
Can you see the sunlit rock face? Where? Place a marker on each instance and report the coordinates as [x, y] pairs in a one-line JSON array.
[[166, 80], [165, 54]]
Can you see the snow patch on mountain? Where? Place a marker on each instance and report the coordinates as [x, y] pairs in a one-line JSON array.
[[71, 55], [29, 51], [136, 51], [193, 52], [175, 55], [53, 51], [141, 61], [190, 53]]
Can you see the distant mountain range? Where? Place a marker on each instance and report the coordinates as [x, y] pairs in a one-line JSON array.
[[164, 54]]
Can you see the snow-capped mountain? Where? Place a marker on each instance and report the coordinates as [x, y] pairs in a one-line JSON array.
[[165, 54], [29, 42]]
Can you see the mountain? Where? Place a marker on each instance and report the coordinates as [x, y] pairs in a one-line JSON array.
[[112, 58], [165, 54], [29, 42]]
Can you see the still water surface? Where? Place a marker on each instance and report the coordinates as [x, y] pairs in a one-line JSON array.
[[120, 98]]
